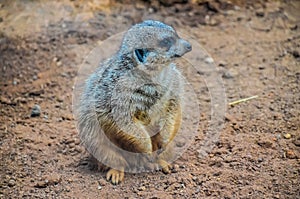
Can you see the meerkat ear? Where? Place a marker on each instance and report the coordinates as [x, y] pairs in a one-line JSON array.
[[141, 55]]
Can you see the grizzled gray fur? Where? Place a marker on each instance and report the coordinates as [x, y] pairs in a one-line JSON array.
[[130, 108]]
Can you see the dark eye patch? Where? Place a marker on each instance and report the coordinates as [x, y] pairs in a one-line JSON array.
[[141, 54], [167, 42]]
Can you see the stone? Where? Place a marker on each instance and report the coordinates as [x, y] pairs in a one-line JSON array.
[[36, 111]]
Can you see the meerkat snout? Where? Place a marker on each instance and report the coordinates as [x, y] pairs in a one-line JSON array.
[[182, 47]]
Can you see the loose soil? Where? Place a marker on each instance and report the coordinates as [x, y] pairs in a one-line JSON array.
[[255, 45]]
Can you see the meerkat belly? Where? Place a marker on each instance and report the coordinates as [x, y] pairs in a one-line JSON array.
[[154, 112]]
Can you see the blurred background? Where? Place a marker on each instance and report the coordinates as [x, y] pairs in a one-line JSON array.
[[255, 47]]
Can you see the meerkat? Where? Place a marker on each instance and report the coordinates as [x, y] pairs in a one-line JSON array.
[[130, 109]]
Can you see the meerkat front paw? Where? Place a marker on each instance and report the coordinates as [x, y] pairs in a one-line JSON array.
[[166, 167], [115, 176]]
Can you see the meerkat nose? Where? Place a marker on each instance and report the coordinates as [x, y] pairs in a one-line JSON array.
[[185, 45], [181, 47]]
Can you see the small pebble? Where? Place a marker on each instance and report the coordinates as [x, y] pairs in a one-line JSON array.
[[296, 54], [260, 159], [72, 145], [53, 179], [35, 77], [36, 111], [151, 10], [222, 63], [291, 154], [68, 189], [142, 188], [5, 100], [265, 144], [59, 63], [227, 75], [297, 142], [278, 136], [209, 60], [287, 136], [260, 13], [102, 182], [237, 8], [182, 166], [41, 184], [78, 149], [181, 143], [11, 183]]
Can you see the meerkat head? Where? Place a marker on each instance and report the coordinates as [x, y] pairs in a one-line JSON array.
[[153, 44]]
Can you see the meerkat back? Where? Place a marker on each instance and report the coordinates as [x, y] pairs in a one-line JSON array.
[[130, 109]]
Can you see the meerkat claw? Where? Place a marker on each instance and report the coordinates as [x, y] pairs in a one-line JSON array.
[[115, 176], [166, 167]]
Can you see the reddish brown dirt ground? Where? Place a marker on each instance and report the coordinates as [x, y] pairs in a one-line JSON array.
[[255, 45]]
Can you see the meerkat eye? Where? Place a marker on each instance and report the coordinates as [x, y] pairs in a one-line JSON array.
[[141, 54]]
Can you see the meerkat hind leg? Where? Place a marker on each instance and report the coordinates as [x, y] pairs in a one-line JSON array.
[[115, 165], [165, 166], [116, 176], [174, 111], [164, 157]]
